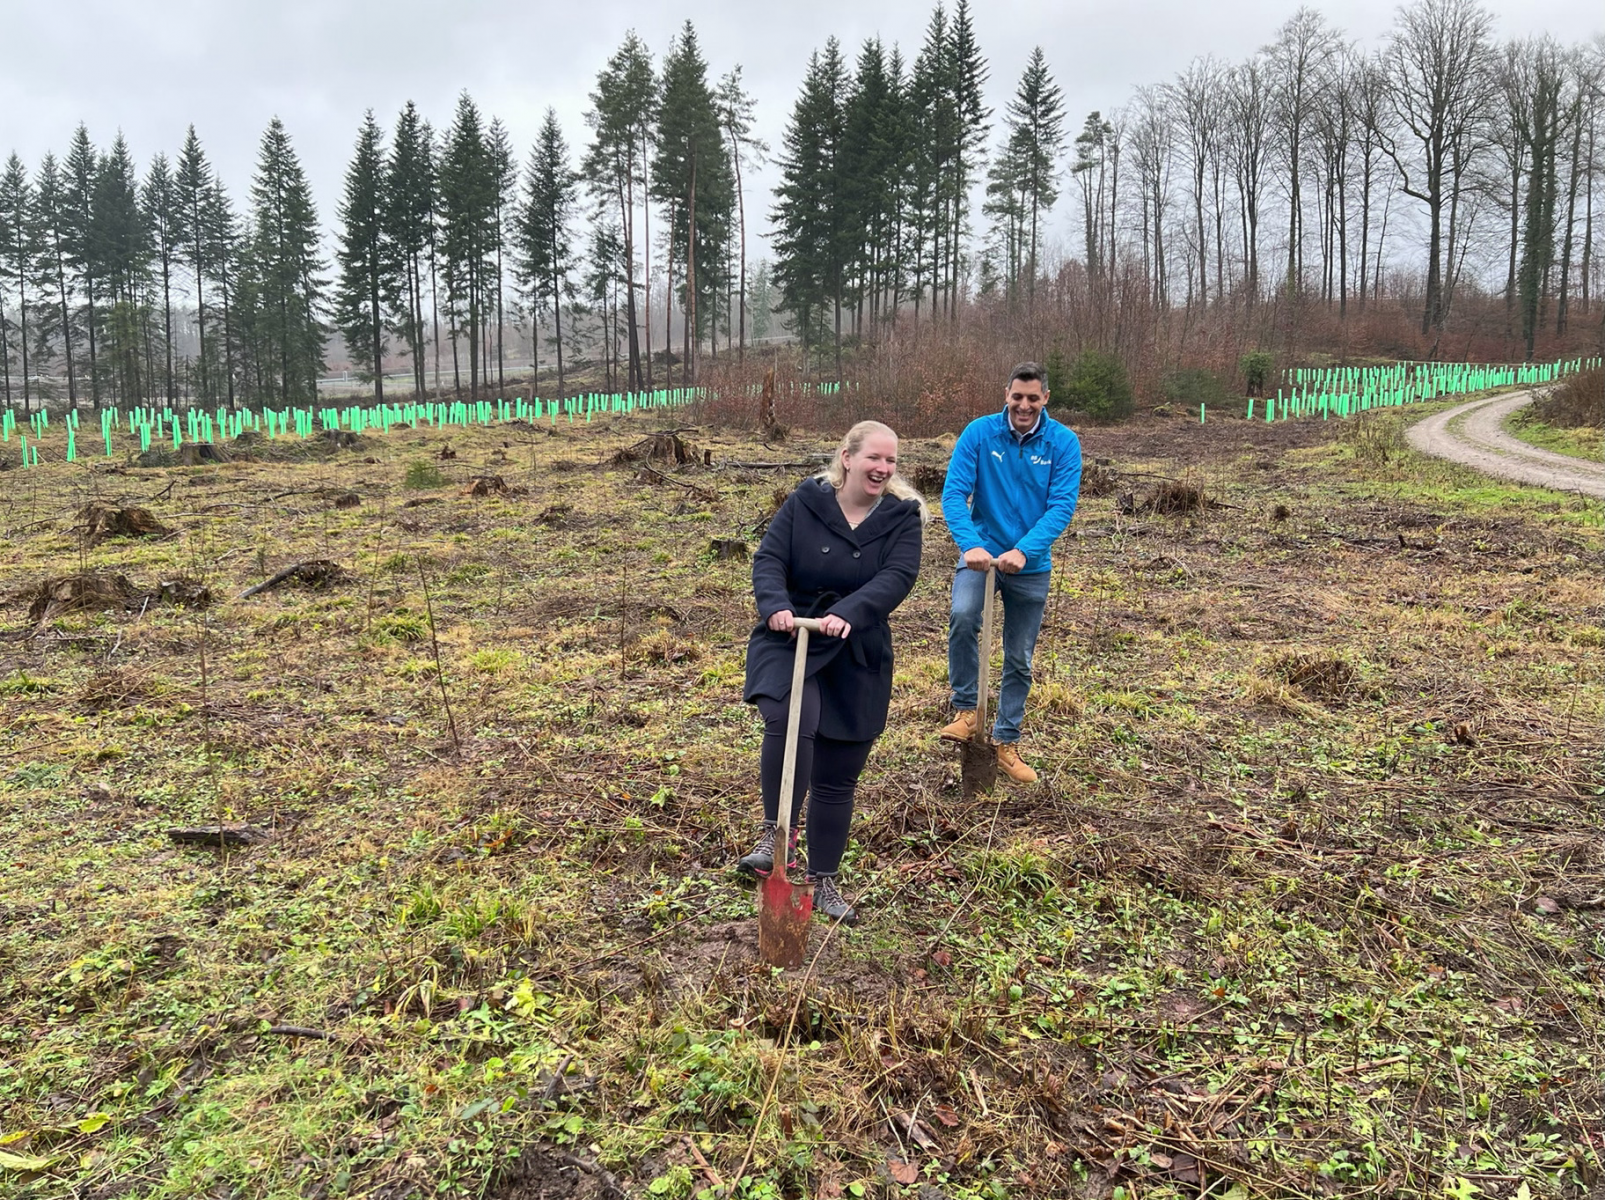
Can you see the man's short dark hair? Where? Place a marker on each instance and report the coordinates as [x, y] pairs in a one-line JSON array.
[[1029, 372]]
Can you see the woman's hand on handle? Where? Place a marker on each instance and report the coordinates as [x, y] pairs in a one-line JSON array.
[[833, 626], [783, 621]]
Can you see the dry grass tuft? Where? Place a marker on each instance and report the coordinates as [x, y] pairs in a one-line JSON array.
[[1320, 676]]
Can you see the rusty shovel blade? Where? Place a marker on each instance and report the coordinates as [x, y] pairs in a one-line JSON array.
[[978, 768], [783, 912]]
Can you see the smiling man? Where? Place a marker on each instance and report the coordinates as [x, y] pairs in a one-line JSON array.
[[1012, 485]]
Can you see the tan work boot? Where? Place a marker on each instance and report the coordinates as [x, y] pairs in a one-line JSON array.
[[962, 728], [1011, 764]]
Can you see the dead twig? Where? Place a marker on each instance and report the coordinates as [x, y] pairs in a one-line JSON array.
[[440, 671]]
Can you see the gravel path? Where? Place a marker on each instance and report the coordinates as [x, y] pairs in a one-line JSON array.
[[1471, 434]]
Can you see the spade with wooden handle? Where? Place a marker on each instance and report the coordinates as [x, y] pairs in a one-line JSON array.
[[784, 907], [978, 769]]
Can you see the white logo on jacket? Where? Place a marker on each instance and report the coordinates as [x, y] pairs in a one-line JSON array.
[[997, 454], [1038, 461]]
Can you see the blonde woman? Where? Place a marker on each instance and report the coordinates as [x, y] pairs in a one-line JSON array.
[[844, 547]]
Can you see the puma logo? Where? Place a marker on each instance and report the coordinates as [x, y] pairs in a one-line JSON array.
[[997, 455]]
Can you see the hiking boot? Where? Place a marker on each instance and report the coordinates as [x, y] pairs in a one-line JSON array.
[[962, 728], [1010, 763], [761, 859], [829, 900]]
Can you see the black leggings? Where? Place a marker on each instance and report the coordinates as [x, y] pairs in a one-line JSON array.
[[827, 773]]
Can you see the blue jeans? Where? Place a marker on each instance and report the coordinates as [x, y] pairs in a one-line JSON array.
[[1024, 598]]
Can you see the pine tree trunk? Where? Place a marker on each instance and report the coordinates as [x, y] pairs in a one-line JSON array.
[[668, 308], [557, 311], [22, 306], [626, 196], [741, 218], [378, 334], [646, 263], [434, 307], [66, 317], [688, 370]]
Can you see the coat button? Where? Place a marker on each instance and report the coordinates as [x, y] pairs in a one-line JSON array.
[[855, 553], [824, 549]]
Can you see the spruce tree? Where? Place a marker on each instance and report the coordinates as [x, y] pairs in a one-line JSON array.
[[121, 251], [78, 227], [874, 152], [811, 235], [468, 180], [504, 171], [691, 178], [192, 182], [364, 258], [159, 204], [603, 282], [1029, 164], [226, 247], [623, 114], [287, 338], [409, 202], [544, 241], [56, 319], [968, 75], [19, 252]]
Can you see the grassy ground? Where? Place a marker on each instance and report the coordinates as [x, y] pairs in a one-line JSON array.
[[1308, 901], [1581, 441]]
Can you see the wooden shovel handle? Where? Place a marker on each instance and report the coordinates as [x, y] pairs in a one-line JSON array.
[[788, 763], [983, 680], [812, 624]]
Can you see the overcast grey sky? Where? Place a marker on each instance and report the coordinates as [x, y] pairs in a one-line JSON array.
[[151, 69]]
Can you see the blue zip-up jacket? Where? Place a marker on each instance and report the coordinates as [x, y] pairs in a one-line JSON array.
[[1010, 493]]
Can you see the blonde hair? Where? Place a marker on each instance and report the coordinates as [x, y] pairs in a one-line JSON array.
[[836, 475]]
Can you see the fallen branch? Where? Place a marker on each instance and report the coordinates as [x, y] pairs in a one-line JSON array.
[[231, 837], [601, 1174], [767, 466], [699, 492], [301, 1031], [318, 572]]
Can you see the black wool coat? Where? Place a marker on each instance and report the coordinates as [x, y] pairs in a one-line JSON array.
[[812, 562]]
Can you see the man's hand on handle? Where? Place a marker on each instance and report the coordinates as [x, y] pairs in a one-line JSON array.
[[785, 621], [1011, 562]]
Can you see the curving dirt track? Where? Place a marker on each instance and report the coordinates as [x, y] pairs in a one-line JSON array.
[[1472, 434]]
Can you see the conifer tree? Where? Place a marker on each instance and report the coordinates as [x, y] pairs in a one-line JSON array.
[[158, 202], [226, 246], [811, 241], [504, 171], [544, 239], [408, 192], [364, 257], [78, 227], [121, 252], [285, 270], [19, 251], [192, 184], [468, 179], [623, 116], [691, 177], [56, 319]]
